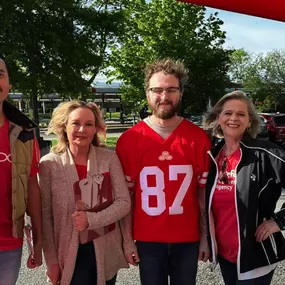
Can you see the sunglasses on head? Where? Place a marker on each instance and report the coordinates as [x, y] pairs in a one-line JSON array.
[[223, 173]]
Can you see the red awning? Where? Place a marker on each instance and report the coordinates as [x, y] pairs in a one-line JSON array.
[[270, 9]]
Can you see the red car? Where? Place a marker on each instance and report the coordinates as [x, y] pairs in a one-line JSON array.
[[275, 123]]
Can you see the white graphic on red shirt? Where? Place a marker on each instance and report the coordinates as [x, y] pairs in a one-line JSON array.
[[165, 156], [4, 157]]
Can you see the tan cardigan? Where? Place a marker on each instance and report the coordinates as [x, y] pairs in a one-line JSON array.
[[60, 240]]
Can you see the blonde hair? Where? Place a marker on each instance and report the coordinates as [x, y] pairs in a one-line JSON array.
[[212, 115], [59, 121]]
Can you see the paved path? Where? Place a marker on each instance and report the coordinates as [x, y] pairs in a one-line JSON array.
[[131, 277]]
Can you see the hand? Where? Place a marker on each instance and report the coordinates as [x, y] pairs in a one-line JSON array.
[[53, 273], [133, 258], [35, 260], [265, 229], [80, 221], [204, 252]]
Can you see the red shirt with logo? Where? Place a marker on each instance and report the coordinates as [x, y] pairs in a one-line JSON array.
[[224, 208], [164, 175], [7, 241]]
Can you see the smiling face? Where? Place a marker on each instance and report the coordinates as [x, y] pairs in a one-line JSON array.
[[234, 119], [80, 128], [4, 81], [166, 104]]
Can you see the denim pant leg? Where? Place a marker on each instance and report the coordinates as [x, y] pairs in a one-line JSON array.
[[229, 272], [183, 263], [10, 263], [153, 263]]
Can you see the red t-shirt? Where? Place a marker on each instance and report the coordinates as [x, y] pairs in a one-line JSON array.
[[7, 241], [81, 171], [224, 209], [164, 175]]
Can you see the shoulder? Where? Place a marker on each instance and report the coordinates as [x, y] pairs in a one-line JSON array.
[[132, 134], [50, 157], [104, 153], [264, 146], [194, 132]]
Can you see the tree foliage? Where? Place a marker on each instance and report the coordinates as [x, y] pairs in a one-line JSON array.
[[165, 28], [240, 60], [263, 77], [57, 45]]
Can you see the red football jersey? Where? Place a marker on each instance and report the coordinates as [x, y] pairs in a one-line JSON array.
[[164, 175]]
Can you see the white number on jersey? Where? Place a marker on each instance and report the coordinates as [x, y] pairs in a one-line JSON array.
[[176, 208]]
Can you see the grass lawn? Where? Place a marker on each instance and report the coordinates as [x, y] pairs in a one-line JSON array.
[[111, 142]]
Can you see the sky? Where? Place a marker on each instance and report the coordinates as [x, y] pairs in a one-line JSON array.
[[254, 34]]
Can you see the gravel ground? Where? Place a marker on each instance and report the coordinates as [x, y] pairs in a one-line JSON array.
[[131, 277]]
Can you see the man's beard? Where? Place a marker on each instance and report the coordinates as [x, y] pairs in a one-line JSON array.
[[164, 113]]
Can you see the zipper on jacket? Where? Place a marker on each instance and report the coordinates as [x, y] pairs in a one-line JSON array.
[[274, 247], [265, 253], [237, 217], [214, 253], [273, 244]]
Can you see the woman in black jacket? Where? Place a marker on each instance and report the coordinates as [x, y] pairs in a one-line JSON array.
[[244, 184]]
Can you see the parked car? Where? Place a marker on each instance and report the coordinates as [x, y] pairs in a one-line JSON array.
[[263, 131], [196, 119], [275, 123]]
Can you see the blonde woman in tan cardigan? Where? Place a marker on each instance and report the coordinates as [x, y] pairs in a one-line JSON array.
[[82, 246]]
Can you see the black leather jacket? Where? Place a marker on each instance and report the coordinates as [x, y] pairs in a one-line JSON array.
[[259, 181]]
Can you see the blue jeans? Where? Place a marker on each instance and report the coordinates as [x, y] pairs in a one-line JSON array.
[[229, 272], [160, 260], [10, 263]]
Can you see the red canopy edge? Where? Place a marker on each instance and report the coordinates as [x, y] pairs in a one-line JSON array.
[[270, 9]]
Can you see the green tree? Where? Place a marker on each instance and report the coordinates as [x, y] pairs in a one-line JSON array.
[[265, 80], [239, 63], [57, 46], [165, 28]]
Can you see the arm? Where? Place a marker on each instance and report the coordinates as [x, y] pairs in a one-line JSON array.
[[34, 210], [121, 205], [277, 221], [204, 251], [130, 249], [127, 230], [49, 248]]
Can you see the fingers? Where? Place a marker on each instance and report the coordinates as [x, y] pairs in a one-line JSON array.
[[76, 214], [264, 230], [133, 258], [203, 256], [136, 257], [79, 220]]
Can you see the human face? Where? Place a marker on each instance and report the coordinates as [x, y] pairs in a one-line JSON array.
[[4, 81], [80, 128], [234, 119], [166, 104]]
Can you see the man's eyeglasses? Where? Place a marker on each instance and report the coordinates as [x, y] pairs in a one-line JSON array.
[[223, 177], [159, 90]]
